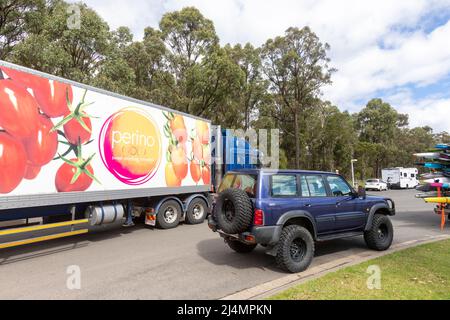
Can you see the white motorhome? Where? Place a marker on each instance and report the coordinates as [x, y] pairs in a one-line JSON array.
[[400, 178]]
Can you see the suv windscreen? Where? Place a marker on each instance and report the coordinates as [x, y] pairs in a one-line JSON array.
[[338, 186], [372, 181], [245, 182]]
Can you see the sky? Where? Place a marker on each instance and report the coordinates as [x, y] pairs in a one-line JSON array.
[[397, 50]]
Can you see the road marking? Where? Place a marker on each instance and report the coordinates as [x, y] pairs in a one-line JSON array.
[[272, 287]]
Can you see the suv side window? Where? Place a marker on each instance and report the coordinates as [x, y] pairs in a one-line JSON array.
[[316, 186], [304, 187], [338, 186], [284, 186]]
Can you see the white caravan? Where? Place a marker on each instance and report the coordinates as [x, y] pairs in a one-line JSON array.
[[401, 178]]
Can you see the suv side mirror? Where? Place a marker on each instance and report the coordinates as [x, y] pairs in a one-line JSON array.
[[362, 192]]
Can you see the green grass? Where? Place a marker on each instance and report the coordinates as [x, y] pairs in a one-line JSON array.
[[419, 273]]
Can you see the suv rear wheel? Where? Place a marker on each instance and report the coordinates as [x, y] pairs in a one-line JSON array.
[[295, 249], [380, 235], [241, 247]]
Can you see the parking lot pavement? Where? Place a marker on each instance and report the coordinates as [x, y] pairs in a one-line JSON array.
[[189, 262]]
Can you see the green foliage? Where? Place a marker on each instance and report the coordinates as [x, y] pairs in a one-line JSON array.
[[182, 65], [54, 48], [297, 67], [419, 273], [16, 18]]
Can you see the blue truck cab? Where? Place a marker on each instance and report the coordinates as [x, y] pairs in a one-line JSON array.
[[287, 211]]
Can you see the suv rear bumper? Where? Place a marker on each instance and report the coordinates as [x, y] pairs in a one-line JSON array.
[[267, 235]]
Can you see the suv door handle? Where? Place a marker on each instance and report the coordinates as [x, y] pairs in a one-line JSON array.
[[308, 205]]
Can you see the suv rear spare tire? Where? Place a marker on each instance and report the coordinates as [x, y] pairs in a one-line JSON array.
[[233, 211]]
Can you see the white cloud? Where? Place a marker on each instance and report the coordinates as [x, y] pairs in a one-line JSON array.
[[432, 111], [375, 45]]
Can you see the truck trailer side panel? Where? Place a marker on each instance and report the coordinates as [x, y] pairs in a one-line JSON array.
[[101, 146]]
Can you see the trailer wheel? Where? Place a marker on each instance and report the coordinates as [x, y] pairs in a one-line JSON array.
[[196, 212], [168, 215], [233, 211]]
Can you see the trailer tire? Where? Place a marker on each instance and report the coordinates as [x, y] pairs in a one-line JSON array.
[[168, 215], [197, 211], [233, 211]]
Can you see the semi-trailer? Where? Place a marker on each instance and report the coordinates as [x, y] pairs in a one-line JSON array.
[[74, 157]]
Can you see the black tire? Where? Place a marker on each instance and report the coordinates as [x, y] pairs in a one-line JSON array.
[[197, 211], [233, 211], [295, 249], [169, 214], [241, 247], [381, 233]]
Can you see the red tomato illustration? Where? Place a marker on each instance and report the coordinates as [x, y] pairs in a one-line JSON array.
[[197, 148], [13, 162], [196, 171], [179, 128], [50, 95], [180, 162], [25, 79], [206, 175], [32, 171], [19, 114], [74, 131], [52, 98], [64, 177], [41, 147]]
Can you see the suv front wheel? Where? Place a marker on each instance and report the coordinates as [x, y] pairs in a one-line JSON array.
[[295, 249], [380, 235]]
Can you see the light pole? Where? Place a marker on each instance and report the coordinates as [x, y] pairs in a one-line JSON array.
[[353, 171]]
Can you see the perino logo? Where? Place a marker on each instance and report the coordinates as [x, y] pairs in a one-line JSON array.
[[130, 146]]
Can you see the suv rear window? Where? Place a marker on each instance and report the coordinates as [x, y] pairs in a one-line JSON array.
[[284, 186], [245, 182]]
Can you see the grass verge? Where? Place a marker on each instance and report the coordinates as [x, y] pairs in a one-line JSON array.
[[421, 273]]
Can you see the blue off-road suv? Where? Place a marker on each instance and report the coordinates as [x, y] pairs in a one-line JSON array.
[[288, 211]]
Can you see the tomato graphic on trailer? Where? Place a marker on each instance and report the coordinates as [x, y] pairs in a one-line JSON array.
[[19, 114], [172, 179], [51, 96], [201, 153], [41, 147], [13, 162], [196, 170], [74, 175], [32, 171]]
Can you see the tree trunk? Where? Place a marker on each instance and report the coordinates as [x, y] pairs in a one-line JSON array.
[[297, 141]]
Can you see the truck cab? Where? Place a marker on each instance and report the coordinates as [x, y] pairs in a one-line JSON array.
[[289, 210]]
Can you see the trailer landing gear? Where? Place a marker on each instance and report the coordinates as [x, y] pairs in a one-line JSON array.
[[129, 222]]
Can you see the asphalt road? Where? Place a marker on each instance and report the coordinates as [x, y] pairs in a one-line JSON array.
[[189, 262]]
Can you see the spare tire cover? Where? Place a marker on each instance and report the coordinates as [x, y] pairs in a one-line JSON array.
[[233, 211]]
